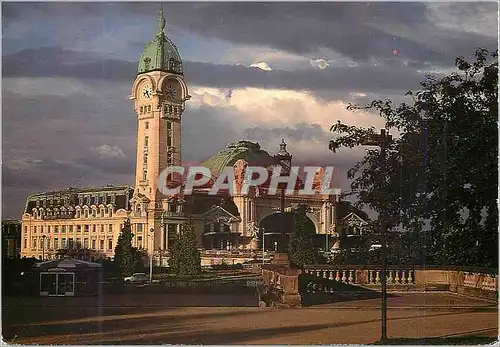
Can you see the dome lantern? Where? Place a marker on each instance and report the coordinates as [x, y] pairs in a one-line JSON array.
[[160, 54]]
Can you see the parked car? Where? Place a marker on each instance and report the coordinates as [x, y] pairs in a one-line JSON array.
[[138, 277]]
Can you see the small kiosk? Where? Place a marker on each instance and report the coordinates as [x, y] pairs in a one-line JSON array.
[[67, 277]]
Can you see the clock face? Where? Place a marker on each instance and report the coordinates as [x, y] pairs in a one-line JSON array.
[[173, 90], [147, 91]]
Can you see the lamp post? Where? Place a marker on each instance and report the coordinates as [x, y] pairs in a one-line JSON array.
[[382, 141], [152, 238], [284, 160], [43, 247], [263, 244], [425, 120]]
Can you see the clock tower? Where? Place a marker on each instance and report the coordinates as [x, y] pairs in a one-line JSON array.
[[159, 94]]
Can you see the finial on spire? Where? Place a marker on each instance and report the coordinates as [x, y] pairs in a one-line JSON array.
[[161, 21], [283, 145], [283, 152]]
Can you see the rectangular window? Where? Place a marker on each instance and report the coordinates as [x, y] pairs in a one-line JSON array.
[[56, 243], [146, 141], [146, 125], [139, 241], [169, 140], [94, 228], [56, 228], [25, 229], [110, 244], [71, 243], [169, 125], [63, 243], [63, 229], [101, 244], [33, 243], [25, 243], [78, 228], [70, 228], [34, 229], [110, 229], [87, 228], [144, 175], [86, 243], [78, 243], [93, 244], [139, 227], [102, 228]]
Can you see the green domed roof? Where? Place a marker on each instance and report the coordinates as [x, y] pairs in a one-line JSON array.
[[249, 151], [160, 53]]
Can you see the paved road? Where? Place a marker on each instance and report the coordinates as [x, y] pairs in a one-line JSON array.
[[153, 320]]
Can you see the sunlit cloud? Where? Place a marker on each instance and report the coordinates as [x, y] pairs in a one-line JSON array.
[[320, 63], [261, 65]]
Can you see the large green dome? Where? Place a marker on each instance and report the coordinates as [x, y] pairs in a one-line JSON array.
[[160, 54], [249, 151]]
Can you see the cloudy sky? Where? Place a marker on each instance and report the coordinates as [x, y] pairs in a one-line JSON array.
[[256, 71]]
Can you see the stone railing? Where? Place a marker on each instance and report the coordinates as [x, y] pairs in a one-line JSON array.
[[283, 286], [463, 280], [280, 286], [362, 275]]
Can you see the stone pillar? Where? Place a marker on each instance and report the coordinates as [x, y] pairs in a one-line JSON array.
[[326, 219], [162, 237], [254, 244]]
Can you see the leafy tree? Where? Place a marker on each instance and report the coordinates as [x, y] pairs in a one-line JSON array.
[[439, 179], [301, 249], [185, 258], [125, 260]]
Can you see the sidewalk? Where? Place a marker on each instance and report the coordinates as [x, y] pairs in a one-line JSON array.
[[139, 323]]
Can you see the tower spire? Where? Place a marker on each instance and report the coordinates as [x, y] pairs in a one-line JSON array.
[[161, 20]]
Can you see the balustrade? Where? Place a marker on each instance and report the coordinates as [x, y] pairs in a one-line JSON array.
[[371, 276], [479, 281], [286, 280]]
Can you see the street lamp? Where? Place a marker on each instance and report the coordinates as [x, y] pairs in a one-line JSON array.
[[43, 247], [151, 236], [284, 159], [263, 244], [382, 141]]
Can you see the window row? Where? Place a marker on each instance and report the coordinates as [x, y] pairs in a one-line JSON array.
[[71, 243], [76, 213], [78, 228], [145, 109], [70, 228], [81, 200]]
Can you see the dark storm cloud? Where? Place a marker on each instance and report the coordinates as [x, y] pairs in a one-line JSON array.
[[361, 31], [56, 62], [205, 132]]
